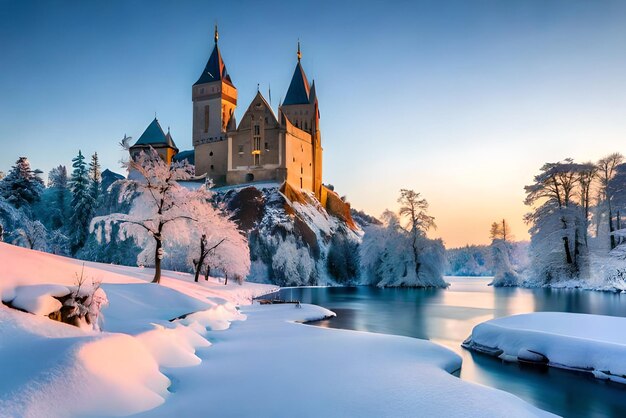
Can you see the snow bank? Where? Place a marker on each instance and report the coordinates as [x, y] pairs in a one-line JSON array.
[[270, 365], [37, 299], [56, 370], [589, 343]]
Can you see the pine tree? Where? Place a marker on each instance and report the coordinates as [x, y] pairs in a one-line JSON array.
[[22, 186], [57, 179], [95, 177], [82, 203]]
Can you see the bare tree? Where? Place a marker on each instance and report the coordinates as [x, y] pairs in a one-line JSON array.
[[606, 170], [415, 209]]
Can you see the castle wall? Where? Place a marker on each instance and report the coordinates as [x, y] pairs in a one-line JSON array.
[[299, 158], [212, 158]]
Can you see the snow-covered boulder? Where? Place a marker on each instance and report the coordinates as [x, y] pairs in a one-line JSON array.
[[587, 343]]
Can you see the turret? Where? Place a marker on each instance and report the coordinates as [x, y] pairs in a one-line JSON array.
[[214, 99]]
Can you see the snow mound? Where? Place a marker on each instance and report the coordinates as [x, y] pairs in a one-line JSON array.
[[54, 369], [588, 343], [38, 299]]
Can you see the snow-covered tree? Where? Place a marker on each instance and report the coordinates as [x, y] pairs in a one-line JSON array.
[[161, 207], [22, 186], [504, 271], [606, 169], [57, 180], [82, 204], [292, 265], [387, 256], [501, 248], [57, 177], [213, 240], [31, 234], [557, 221], [415, 209]]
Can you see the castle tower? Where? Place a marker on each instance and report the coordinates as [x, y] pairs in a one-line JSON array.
[[154, 137], [214, 99], [300, 107]]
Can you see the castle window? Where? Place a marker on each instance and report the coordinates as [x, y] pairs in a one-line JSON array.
[[300, 182], [301, 169], [240, 149], [267, 146], [257, 130], [257, 159], [206, 118], [202, 90], [211, 154], [212, 166], [305, 126]]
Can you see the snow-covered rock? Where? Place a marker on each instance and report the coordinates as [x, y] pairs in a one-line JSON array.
[[295, 240], [589, 343]]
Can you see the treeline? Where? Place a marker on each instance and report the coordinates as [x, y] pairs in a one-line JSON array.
[[576, 218], [151, 221]]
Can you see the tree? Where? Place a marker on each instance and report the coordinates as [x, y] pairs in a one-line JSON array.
[[500, 230], [82, 204], [388, 260], [419, 222], [31, 234], [586, 175], [95, 177], [161, 207], [557, 216], [22, 186], [606, 168], [57, 179]]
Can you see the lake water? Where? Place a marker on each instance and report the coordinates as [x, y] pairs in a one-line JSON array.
[[448, 316]]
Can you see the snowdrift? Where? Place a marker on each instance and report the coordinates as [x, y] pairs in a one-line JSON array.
[[56, 370], [580, 342]]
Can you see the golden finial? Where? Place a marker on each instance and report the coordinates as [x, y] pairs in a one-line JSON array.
[[216, 34], [299, 53]]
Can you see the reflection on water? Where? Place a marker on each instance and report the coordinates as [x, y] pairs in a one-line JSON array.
[[448, 316]]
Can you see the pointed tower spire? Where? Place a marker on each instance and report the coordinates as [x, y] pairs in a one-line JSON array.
[[215, 68], [299, 54]]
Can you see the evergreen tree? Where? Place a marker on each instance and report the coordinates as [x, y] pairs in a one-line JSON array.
[[57, 180], [22, 186], [95, 177], [82, 203]]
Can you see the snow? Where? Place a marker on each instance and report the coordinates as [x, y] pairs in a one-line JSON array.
[[38, 299], [185, 349], [271, 365], [55, 370], [582, 342]]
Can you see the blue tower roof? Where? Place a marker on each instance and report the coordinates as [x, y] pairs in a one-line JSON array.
[[215, 69], [154, 135], [298, 92]]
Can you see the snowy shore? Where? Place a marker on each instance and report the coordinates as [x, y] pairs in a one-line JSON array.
[[252, 361], [580, 342]]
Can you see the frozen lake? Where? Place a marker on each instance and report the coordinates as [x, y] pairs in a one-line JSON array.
[[448, 316]]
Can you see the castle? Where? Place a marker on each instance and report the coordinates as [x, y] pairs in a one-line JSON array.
[[263, 147]]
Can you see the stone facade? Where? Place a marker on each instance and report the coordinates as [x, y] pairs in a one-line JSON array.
[[263, 147]]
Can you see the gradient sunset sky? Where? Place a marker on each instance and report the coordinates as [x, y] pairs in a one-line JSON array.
[[461, 101]]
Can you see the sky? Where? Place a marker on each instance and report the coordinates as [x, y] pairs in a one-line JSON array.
[[462, 101]]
